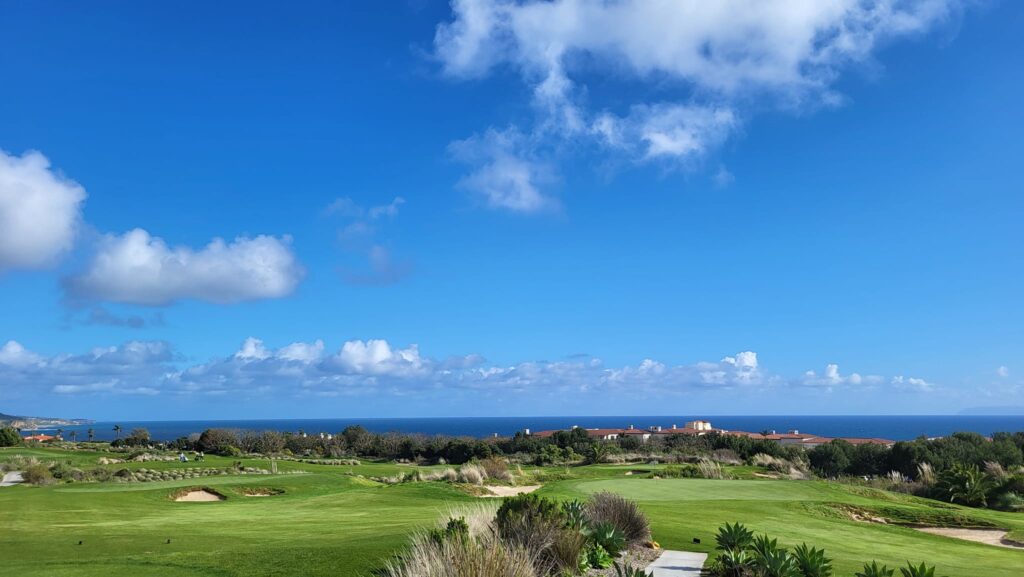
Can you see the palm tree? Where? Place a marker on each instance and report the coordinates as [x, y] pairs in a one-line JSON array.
[[91, 434], [965, 484], [117, 431], [74, 436], [60, 433]]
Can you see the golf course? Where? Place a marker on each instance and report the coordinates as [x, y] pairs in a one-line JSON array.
[[333, 520]]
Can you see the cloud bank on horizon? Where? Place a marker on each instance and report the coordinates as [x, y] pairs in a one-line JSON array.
[[695, 70], [375, 368]]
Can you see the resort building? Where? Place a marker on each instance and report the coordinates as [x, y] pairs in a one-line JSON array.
[[41, 438], [700, 427]]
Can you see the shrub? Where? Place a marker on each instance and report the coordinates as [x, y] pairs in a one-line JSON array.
[[496, 468], [733, 563], [812, 562], [921, 570], [873, 570], [608, 536], [776, 563], [630, 571], [1008, 501], [456, 530], [567, 548], [964, 484], [473, 474], [680, 472], [488, 556], [734, 537], [9, 437], [575, 512], [622, 513], [710, 469], [597, 557], [38, 474]]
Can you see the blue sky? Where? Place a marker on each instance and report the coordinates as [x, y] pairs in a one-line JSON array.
[[510, 208]]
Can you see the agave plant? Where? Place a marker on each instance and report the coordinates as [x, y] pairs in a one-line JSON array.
[[630, 571], [921, 570], [608, 536], [733, 537], [735, 563], [777, 563], [762, 546], [873, 570], [575, 514], [812, 562]]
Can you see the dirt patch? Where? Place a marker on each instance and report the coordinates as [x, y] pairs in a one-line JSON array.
[[498, 491], [197, 496], [987, 536], [261, 491]]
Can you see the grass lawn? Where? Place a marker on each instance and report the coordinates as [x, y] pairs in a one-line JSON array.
[[804, 511], [328, 523]]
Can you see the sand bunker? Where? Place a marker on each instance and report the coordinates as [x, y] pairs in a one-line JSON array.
[[261, 492], [498, 491], [986, 536], [198, 496]]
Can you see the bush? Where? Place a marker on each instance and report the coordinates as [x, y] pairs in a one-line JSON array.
[[734, 537], [496, 468], [873, 570], [595, 556], [622, 513], [473, 474], [456, 530], [680, 472], [9, 437], [608, 536], [812, 562], [487, 556], [38, 474]]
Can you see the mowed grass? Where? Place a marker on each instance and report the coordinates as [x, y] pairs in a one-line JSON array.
[[324, 524], [795, 512], [329, 522]]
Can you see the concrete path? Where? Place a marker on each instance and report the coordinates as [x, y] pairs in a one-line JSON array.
[[12, 478], [677, 564]]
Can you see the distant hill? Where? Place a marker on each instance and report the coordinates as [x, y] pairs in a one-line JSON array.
[[993, 411], [30, 423]]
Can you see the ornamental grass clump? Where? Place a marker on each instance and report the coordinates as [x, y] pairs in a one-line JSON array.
[[622, 513]]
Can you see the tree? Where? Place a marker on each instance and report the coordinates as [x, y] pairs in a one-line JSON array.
[[60, 433], [91, 433], [9, 437], [74, 436], [831, 459], [117, 431]]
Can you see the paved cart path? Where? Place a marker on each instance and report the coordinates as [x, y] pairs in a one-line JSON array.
[[678, 564]]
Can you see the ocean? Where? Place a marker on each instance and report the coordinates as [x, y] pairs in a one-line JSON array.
[[888, 427]]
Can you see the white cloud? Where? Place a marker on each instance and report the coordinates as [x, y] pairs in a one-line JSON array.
[[1003, 372], [831, 377], [40, 211], [504, 176], [379, 369], [689, 66], [15, 355], [912, 384], [140, 269]]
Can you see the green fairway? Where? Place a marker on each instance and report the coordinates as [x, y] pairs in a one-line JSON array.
[[324, 524], [805, 511], [330, 522]]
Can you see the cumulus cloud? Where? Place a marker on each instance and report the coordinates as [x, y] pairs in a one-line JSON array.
[[1003, 371], [912, 384], [505, 174], [40, 211], [377, 368], [689, 65], [137, 268], [831, 377]]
